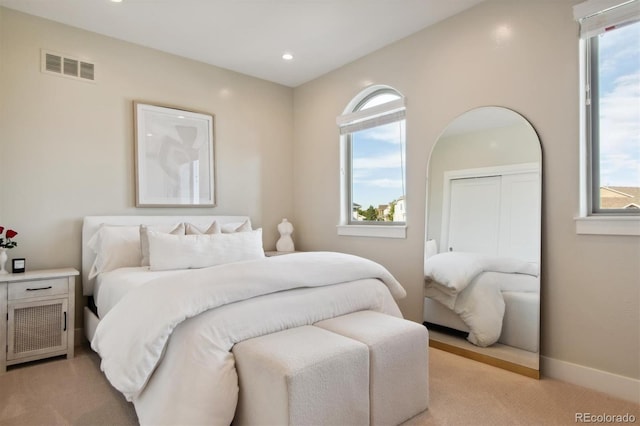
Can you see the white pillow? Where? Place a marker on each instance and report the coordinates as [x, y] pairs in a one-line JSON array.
[[115, 247], [144, 237], [230, 228], [200, 251], [214, 228]]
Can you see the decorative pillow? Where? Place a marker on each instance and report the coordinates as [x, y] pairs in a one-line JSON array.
[[200, 251], [230, 228], [115, 247], [144, 237], [191, 229]]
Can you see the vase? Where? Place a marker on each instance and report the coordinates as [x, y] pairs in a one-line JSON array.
[[3, 260], [285, 243]]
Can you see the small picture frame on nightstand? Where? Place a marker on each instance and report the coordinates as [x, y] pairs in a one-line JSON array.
[[18, 265]]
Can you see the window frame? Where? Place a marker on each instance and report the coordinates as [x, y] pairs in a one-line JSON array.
[[591, 218], [592, 107], [347, 226]]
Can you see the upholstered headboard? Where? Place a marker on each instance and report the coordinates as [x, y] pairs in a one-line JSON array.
[[92, 224]]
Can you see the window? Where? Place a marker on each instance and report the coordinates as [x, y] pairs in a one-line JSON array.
[[373, 164], [610, 45]]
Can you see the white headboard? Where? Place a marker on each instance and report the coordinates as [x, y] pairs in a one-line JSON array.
[[91, 225]]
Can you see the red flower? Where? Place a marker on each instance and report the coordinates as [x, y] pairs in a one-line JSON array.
[[5, 242]]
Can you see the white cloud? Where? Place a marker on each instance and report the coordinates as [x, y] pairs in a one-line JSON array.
[[390, 133], [622, 44], [620, 133], [380, 183], [620, 115], [393, 161], [620, 170], [386, 183]]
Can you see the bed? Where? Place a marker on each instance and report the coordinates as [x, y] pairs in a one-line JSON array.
[[164, 319], [489, 298]]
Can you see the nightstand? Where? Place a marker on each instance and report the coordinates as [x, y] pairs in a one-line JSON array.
[[278, 253], [37, 310]]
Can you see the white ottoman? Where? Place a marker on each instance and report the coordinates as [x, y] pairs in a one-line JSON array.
[[399, 360], [302, 376]]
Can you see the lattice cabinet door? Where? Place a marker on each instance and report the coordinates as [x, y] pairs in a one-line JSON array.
[[37, 328]]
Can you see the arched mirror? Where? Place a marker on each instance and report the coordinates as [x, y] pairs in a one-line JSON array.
[[482, 246]]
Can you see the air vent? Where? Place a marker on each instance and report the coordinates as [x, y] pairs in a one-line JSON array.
[[53, 63], [86, 70], [66, 66], [70, 67]]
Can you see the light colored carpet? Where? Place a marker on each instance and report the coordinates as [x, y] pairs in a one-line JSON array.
[[466, 392], [463, 392], [62, 392]]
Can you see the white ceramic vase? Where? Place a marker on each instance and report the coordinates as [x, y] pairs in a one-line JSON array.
[[285, 243], [3, 260]]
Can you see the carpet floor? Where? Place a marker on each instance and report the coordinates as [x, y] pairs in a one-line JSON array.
[[462, 392]]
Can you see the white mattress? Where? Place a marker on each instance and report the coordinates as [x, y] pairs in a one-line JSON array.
[[111, 286]]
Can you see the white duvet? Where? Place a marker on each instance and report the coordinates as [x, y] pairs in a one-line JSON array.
[[471, 285], [111, 286], [166, 344]]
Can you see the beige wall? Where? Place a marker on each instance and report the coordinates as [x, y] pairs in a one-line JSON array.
[[590, 284], [66, 147]]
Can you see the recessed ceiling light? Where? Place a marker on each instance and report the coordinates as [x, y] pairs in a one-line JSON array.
[[116, 1], [287, 56]]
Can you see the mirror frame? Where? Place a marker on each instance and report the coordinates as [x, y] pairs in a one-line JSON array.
[[507, 357]]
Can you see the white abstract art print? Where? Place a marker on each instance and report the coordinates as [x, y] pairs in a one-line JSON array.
[[174, 157]]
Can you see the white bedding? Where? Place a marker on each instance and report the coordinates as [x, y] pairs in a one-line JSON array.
[[173, 358], [111, 286], [471, 285]]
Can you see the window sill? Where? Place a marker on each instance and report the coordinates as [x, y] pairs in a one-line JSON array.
[[608, 225], [381, 231]]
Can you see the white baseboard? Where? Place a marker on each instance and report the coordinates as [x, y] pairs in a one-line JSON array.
[[615, 385]]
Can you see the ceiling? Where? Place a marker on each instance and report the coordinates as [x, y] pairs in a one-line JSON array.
[[250, 36]]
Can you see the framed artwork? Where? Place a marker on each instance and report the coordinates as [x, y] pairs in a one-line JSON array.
[[174, 157]]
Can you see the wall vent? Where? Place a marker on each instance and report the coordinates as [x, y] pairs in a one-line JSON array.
[[66, 66]]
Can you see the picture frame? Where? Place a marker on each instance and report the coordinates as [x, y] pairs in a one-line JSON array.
[[174, 157], [18, 265]]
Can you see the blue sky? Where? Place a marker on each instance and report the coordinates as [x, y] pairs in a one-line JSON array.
[[620, 106], [377, 164]]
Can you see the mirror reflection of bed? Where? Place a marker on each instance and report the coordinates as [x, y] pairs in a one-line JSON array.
[[482, 245]]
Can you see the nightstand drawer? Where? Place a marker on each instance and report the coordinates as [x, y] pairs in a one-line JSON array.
[[38, 288]]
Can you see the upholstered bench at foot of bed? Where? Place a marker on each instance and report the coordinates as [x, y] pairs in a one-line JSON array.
[[398, 358], [302, 376]]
